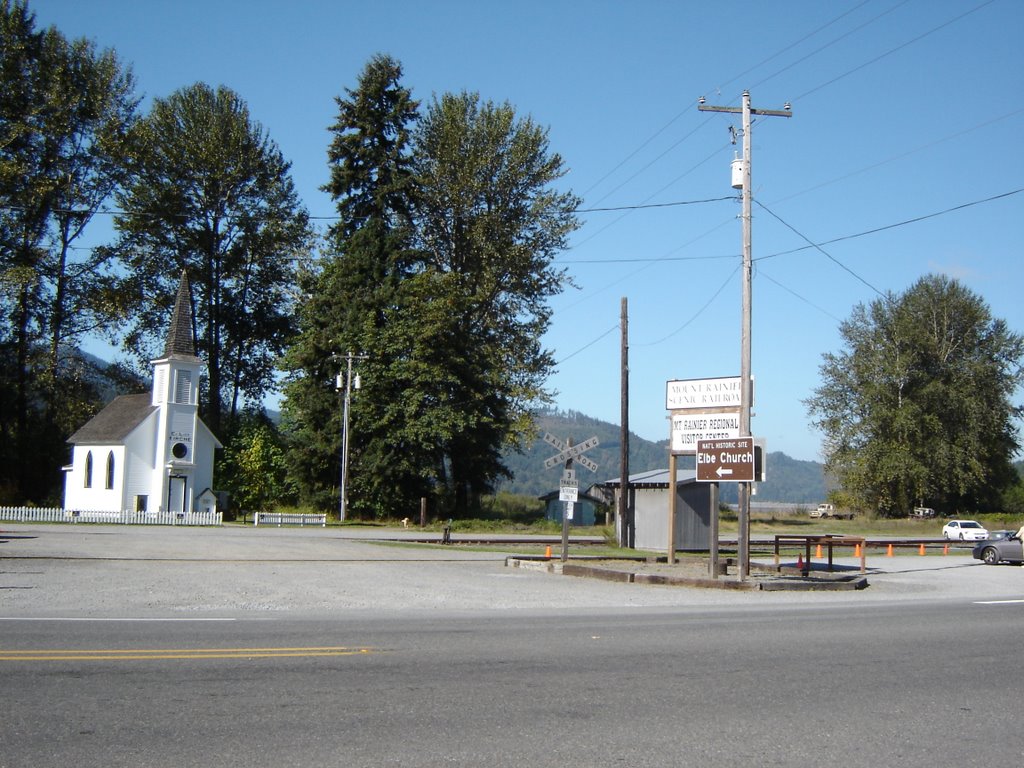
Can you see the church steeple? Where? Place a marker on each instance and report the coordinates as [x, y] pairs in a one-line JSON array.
[[180, 342]]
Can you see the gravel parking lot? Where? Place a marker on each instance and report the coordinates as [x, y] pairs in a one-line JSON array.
[[118, 571]]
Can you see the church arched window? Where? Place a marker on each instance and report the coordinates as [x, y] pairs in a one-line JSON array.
[[88, 469], [110, 470]]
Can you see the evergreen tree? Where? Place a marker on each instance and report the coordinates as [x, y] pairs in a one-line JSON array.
[[353, 295], [918, 409], [439, 279]]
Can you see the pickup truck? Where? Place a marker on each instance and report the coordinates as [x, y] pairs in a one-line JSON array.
[[829, 511]]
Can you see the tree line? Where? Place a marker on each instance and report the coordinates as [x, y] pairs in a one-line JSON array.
[[437, 273], [434, 278]]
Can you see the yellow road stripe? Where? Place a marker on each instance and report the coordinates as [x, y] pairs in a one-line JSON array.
[[179, 653]]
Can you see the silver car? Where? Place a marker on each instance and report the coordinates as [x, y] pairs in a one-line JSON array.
[[1000, 547]]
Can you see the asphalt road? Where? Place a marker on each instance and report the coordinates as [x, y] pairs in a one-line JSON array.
[[125, 647]]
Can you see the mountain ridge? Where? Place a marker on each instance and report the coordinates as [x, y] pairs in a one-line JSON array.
[[788, 480]]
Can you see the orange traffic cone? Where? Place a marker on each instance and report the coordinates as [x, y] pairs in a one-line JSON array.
[[817, 552], [945, 549], [547, 552], [920, 550], [888, 552], [856, 550]]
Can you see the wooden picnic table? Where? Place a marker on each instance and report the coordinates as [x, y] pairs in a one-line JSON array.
[[821, 540]]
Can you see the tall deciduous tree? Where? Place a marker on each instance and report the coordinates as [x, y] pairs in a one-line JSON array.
[[489, 223], [66, 115], [212, 194], [918, 408]]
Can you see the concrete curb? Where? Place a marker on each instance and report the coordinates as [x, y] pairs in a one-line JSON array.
[[765, 581]]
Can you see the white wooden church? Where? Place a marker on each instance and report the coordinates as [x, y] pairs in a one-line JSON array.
[[149, 452]]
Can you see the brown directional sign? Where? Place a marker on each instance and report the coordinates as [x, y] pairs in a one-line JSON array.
[[726, 461]]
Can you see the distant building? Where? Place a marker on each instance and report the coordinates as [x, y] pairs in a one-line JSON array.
[[584, 510], [649, 500], [149, 452]]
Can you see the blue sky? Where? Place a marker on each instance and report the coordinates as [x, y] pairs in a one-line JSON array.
[[902, 110]]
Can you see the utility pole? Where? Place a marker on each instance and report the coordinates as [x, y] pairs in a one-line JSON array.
[[745, 376], [626, 535], [343, 501]]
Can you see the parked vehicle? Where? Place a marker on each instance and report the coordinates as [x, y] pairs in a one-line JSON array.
[[1001, 534], [964, 530], [829, 511], [999, 547], [923, 513]]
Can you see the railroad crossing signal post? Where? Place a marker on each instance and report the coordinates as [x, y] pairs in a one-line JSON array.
[[568, 488]]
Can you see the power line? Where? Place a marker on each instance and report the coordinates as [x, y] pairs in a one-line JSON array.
[[903, 155], [829, 44], [588, 345], [695, 314], [894, 50], [122, 212], [612, 223], [805, 300], [655, 205], [818, 247], [876, 230], [651, 260], [718, 90]]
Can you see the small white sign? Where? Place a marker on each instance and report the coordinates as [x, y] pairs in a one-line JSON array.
[[568, 493]]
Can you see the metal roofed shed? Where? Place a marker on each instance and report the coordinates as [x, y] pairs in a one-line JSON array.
[[649, 500], [584, 510]]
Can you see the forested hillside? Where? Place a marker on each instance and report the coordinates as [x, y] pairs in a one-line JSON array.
[[788, 480], [533, 479]]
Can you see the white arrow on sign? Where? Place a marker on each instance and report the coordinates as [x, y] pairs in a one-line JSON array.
[[723, 471]]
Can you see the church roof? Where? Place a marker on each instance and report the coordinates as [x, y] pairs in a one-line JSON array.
[[180, 341], [115, 422]]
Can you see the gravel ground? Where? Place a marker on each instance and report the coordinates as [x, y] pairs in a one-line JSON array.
[[117, 571]]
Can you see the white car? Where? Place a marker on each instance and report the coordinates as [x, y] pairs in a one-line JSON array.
[[965, 530]]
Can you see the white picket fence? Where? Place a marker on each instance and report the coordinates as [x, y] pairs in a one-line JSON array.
[[125, 517], [290, 518]]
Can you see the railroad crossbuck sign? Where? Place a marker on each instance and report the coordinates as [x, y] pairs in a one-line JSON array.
[[728, 461], [574, 452], [569, 489]]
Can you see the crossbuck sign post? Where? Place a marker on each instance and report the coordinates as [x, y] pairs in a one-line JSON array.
[[568, 488]]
